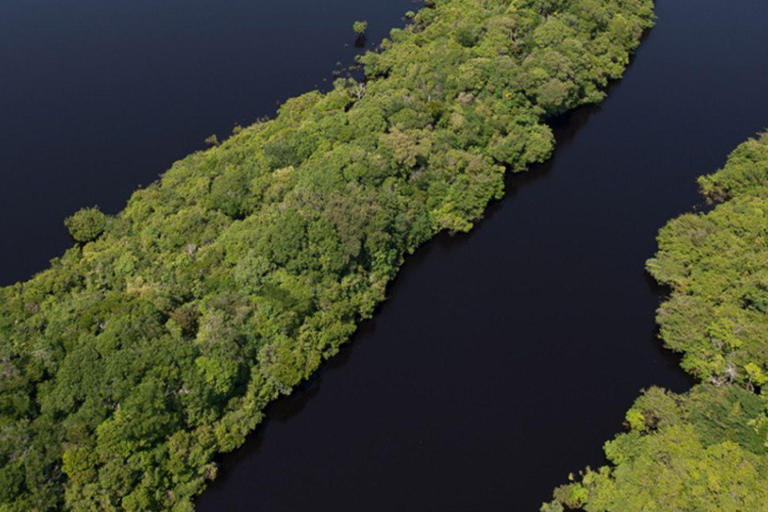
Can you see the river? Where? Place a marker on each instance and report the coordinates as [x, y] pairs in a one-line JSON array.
[[504, 358]]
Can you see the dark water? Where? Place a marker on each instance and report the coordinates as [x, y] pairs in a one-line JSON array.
[[504, 359], [99, 96]]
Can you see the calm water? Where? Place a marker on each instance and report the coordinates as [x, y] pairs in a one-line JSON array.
[[504, 359], [98, 97]]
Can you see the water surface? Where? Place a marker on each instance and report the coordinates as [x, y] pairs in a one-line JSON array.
[[98, 97]]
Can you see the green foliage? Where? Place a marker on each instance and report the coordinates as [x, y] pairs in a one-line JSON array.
[[715, 265], [359, 27], [671, 470], [137, 357], [86, 225], [706, 450]]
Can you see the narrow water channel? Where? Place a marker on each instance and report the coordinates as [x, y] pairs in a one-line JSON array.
[[505, 358]]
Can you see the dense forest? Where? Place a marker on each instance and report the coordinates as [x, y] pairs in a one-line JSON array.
[[705, 450], [156, 341]]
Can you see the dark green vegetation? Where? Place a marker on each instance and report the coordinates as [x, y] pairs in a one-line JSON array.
[[156, 342], [360, 27], [706, 450], [86, 225]]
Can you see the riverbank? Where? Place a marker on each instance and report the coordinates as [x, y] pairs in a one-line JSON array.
[[156, 341], [706, 449]]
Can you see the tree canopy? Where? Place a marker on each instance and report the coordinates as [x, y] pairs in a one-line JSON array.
[[360, 27], [86, 225], [156, 342]]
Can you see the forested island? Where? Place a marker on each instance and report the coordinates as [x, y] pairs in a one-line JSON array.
[[707, 449], [158, 339]]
